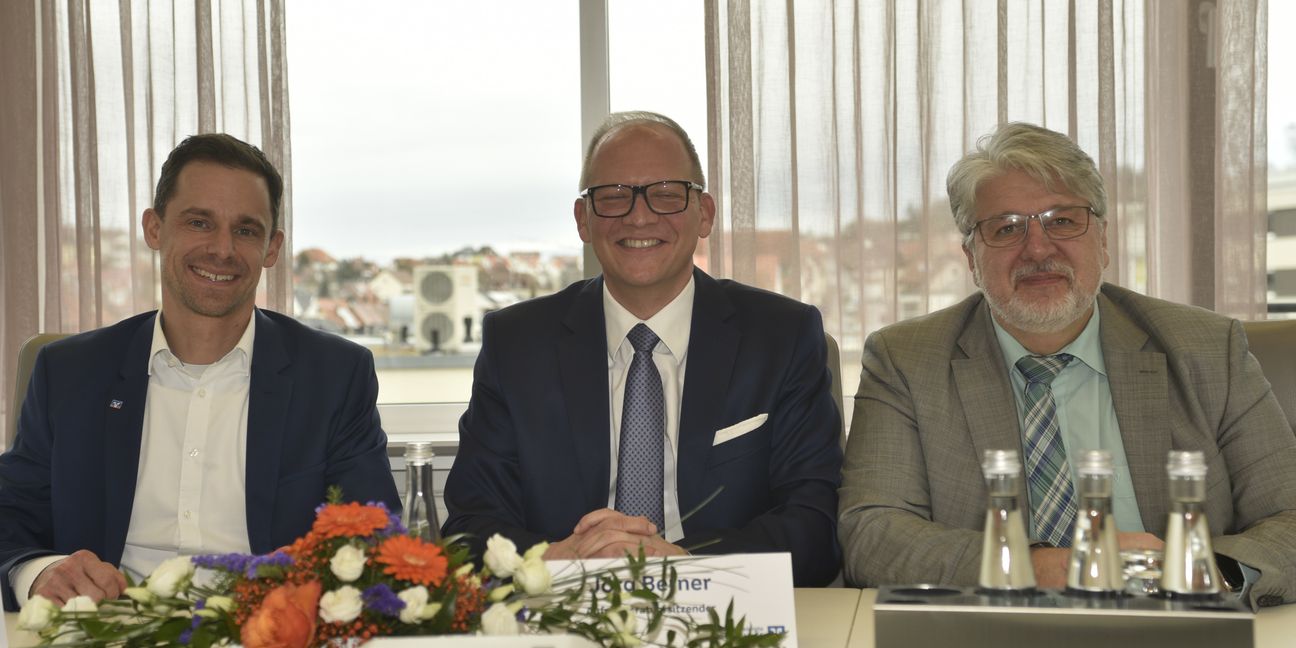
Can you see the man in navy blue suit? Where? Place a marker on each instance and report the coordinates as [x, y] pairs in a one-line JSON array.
[[653, 406], [210, 426]]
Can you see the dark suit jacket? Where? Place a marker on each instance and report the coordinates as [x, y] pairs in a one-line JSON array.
[[935, 394], [534, 445], [68, 483]]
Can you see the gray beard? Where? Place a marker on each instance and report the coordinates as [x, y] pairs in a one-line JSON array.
[[1040, 318]]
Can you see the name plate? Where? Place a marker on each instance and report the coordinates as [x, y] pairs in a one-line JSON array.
[[759, 585]]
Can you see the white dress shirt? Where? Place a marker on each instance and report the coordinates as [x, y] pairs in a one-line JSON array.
[[190, 489], [671, 325]]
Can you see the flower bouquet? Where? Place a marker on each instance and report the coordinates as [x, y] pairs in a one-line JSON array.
[[358, 575]]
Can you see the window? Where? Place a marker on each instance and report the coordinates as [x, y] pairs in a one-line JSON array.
[[1281, 253]]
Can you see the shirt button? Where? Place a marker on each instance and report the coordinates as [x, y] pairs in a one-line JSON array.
[[193, 453], [202, 393], [188, 515]]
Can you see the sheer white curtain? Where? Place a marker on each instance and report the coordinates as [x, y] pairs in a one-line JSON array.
[[93, 95], [833, 125]]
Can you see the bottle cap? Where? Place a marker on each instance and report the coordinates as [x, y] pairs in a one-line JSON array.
[[1001, 462], [1094, 462], [1186, 463], [418, 452]]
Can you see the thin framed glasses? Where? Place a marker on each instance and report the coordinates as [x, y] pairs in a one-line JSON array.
[[1059, 224], [664, 198]]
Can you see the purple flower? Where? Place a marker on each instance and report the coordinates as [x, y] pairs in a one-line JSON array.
[[232, 562], [187, 636], [276, 559], [394, 525], [382, 600]]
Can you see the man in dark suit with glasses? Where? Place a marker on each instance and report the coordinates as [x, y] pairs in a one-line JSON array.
[[652, 406]]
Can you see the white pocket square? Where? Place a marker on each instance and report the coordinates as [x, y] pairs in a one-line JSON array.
[[738, 429]]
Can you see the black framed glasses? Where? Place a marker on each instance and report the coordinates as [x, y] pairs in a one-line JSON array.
[[663, 198], [1059, 224]]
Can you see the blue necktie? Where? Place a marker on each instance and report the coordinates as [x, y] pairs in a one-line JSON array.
[[1048, 477], [643, 433]]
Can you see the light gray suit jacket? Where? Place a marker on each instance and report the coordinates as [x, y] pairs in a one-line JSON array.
[[935, 394]]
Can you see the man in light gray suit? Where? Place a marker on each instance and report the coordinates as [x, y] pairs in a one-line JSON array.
[[1046, 340]]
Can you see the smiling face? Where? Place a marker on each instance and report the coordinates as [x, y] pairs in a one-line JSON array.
[[1039, 287], [214, 239], [647, 258]]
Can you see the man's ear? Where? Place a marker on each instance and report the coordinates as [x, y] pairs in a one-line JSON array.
[[152, 226], [582, 223], [272, 251], [707, 220]]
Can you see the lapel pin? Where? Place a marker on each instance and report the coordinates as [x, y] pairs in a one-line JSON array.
[[115, 404]]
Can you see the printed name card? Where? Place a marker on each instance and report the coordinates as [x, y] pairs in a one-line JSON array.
[[759, 585]]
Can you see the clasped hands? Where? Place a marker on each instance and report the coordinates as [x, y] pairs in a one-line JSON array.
[[1051, 562], [80, 574], [606, 533]]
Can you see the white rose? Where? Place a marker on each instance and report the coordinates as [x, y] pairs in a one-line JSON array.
[[348, 563], [80, 604], [536, 552], [533, 576], [499, 620], [415, 598], [501, 556], [342, 605], [171, 576], [37, 614]]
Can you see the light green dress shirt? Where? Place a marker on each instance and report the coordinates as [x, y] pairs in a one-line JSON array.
[[1086, 415]]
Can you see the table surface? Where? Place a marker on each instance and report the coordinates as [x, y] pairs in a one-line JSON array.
[[843, 618]]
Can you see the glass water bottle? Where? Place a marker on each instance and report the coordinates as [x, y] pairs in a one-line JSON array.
[[1095, 566], [419, 514], [1189, 568], [1005, 554]]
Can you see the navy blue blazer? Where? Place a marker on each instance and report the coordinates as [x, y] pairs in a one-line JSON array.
[[68, 482], [535, 445]]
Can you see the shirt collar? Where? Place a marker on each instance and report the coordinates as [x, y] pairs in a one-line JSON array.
[[671, 324], [241, 353], [1087, 347]]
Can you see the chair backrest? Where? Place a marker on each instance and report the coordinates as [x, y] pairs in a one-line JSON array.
[[26, 361], [834, 369], [1273, 343]]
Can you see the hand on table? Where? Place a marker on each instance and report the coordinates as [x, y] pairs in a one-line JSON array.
[[606, 533], [1051, 562], [80, 574]]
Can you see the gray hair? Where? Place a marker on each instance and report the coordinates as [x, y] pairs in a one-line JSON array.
[[619, 120], [1049, 157]]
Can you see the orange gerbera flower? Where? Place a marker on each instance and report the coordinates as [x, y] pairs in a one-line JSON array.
[[413, 560], [352, 519]]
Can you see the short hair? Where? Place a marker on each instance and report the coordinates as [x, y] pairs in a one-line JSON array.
[[1047, 156], [221, 149], [617, 121]]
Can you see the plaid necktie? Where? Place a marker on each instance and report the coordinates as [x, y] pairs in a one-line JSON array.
[[1048, 477], [643, 432]]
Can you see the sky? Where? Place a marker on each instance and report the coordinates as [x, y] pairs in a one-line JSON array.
[[418, 130]]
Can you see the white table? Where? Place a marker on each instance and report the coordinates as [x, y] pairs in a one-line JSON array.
[[841, 618]]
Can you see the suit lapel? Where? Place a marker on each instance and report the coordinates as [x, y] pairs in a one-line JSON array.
[[123, 431], [985, 390], [583, 370], [269, 393], [712, 352], [1139, 391]]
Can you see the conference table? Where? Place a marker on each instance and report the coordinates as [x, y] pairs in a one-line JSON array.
[[843, 618]]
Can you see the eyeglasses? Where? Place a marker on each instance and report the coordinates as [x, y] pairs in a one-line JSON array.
[[1059, 224], [663, 198]]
